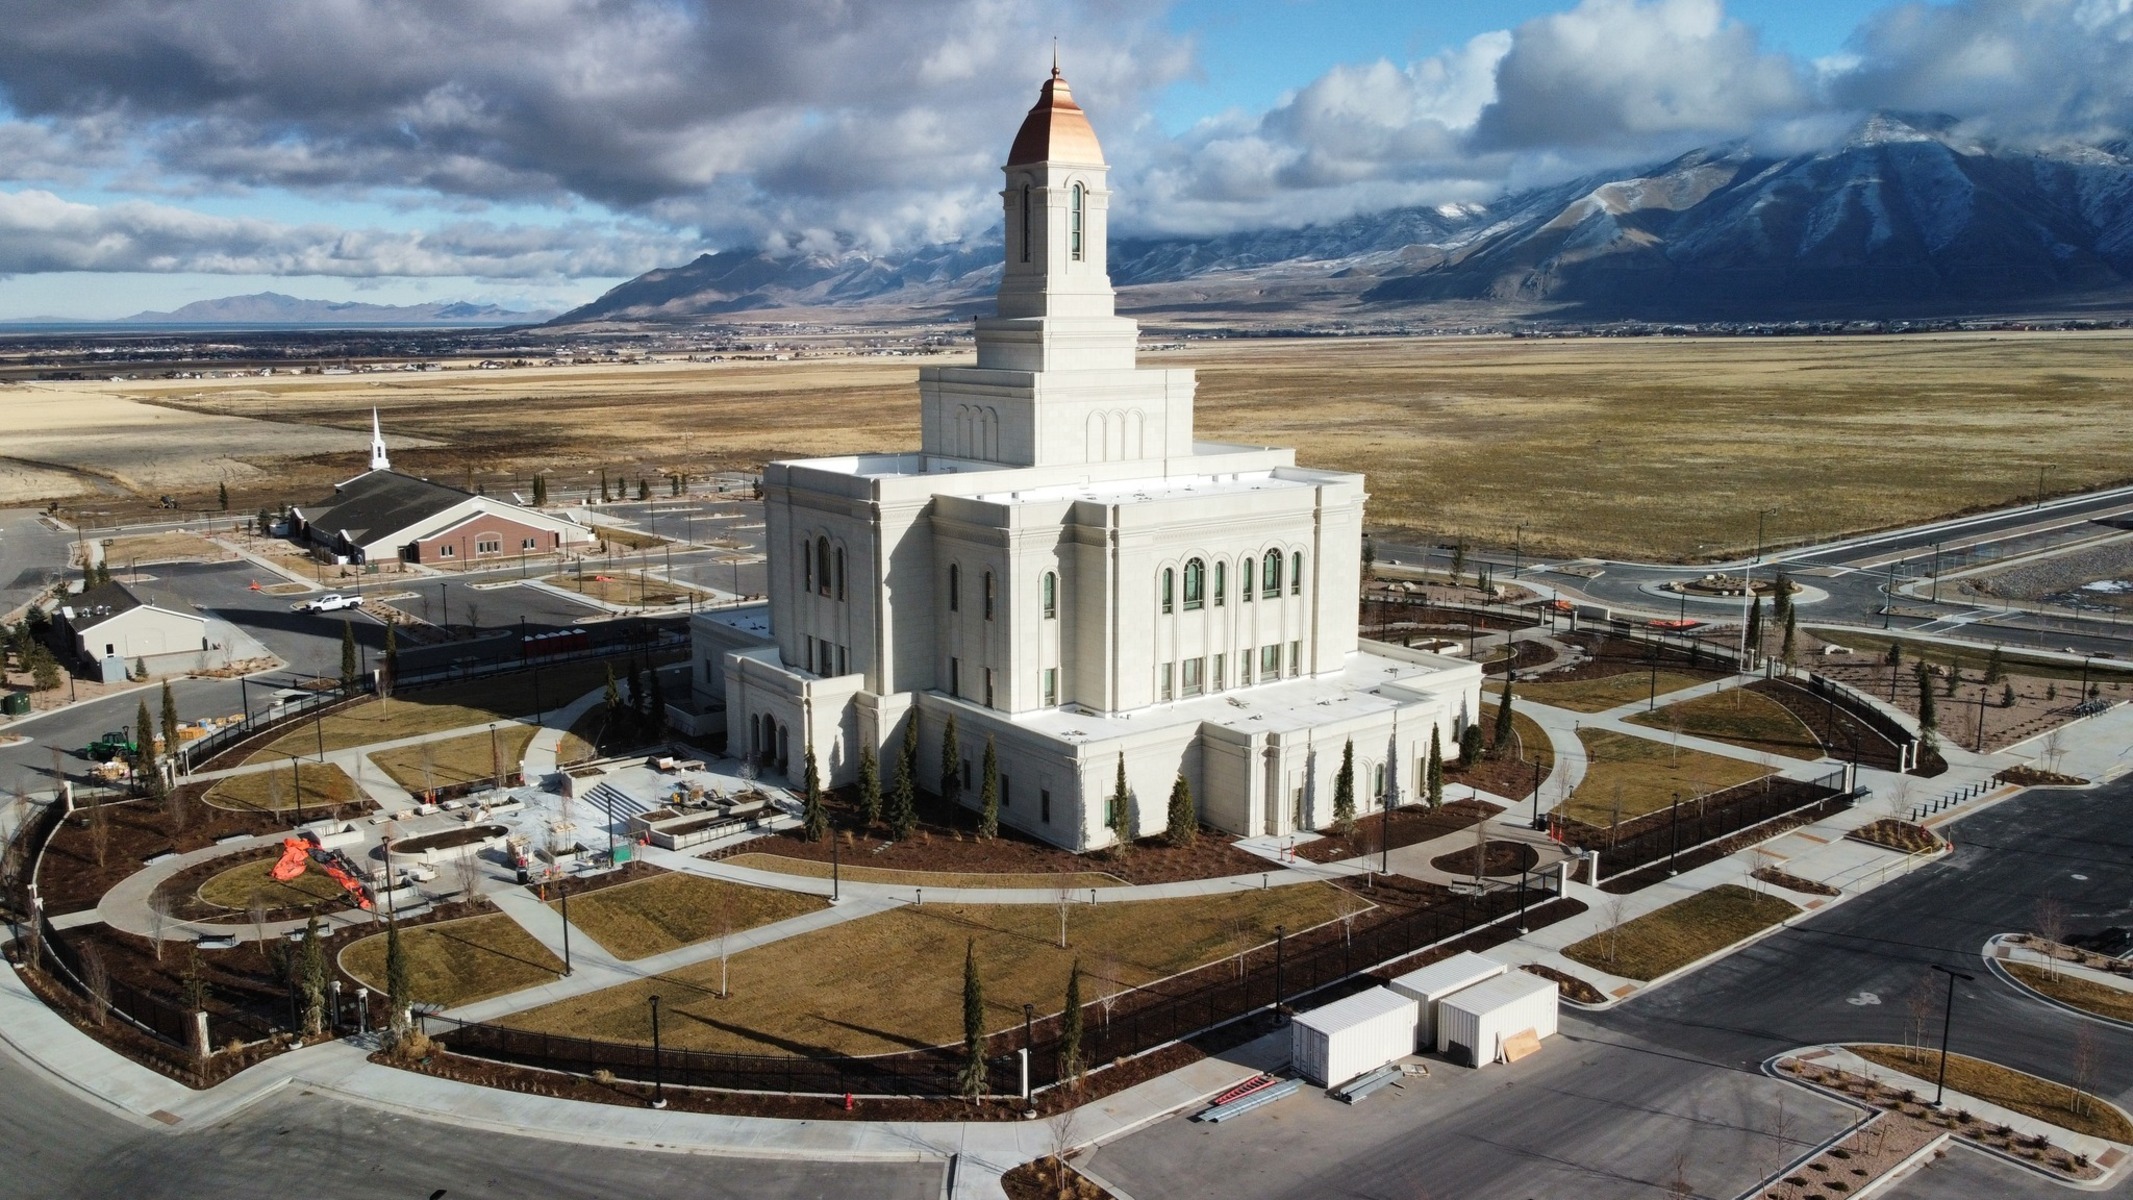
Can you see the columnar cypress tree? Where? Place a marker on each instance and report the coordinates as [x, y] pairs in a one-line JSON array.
[[144, 735], [1184, 818], [1344, 789], [973, 1074], [348, 654], [1070, 1065], [989, 794], [1500, 741], [869, 787], [814, 815], [903, 805], [1781, 597], [1120, 818], [1996, 666], [1435, 770], [1787, 649], [311, 976], [951, 764], [1755, 632], [170, 720], [1928, 721], [1895, 654], [392, 658], [540, 490], [222, 494]]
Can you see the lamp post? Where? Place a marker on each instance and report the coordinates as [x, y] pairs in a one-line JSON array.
[[562, 892], [1947, 1019], [1518, 553], [1675, 853], [1029, 1013], [1747, 586], [1888, 591], [1537, 794], [1936, 572], [296, 783], [1384, 836], [1280, 936], [836, 885], [659, 1089]]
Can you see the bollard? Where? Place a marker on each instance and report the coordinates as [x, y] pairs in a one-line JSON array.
[[847, 1102]]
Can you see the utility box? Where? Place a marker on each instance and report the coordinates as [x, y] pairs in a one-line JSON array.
[[1341, 1040], [1475, 1023], [1431, 984]]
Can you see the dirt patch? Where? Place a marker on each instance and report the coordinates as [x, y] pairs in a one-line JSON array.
[[75, 875], [1498, 858], [1793, 883], [1902, 836], [1569, 986], [1372, 833], [1050, 1178], [2028, 776]]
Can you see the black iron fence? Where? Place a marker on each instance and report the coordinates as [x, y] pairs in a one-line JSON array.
[[1695, 821], [1136, 1021]]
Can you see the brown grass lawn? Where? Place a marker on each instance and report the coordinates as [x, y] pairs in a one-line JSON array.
[[459, 962], [465, 758], [1739, 717], [860, 873], [2101, 999], [1599, 695], [1532, 744], [323, 786], [436, 709], [1645, 775], [2052, 1103], [630, 588], [665, 912], [121, 553], [240, 885], [894, 981], [1675, 936]]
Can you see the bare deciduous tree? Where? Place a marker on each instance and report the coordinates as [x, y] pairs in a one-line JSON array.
[[2049, 919], [1616, 909], [470, 873], [1066, 897], [97, 979], [156, 919], [1919, 1006], [2088, 1067], [1063, 1138], [2054, 747], [100, 831]]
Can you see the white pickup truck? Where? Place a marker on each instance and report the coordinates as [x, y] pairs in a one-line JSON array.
[[330, 602]]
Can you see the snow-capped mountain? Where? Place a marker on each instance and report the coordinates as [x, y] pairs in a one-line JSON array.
[[1905, 217], [272, 309]]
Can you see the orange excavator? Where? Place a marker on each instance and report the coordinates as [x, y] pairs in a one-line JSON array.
[[297, 855]]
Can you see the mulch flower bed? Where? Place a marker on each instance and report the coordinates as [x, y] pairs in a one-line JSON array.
[[1892, 834], [1793, 883], [1050, 1178], [2035, 1151], [75, 876], [1408, 826], [1498, 858], [2028, 776], [1510, 775], [1571, 988]]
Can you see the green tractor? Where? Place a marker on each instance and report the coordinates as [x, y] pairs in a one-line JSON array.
[[118, 743]]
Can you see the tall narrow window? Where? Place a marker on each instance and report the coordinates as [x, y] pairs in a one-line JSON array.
[[1170, 582], [1244, 578], [988, 687], [1214, 667], [955, 677], [1270, 575], [1195, 584], [1051, 686], [1076, 224], [988, 595], [822, 565], [807, 568], [1190, 676], [1025, 222], [955, 588], [1296, 574], [1296, 658], [1377, 780], [1051, 596], [1244, 667], [840, 572], [1166, 687], [1221, 581]]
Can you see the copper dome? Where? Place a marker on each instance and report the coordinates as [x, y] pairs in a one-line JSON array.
[[1055, 130]]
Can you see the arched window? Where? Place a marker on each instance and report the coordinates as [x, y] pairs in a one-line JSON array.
[[1244, 578], [1270, 575], [1075, 225], [822, 565], [955, 588], [1221, 580], [807, 568], [1025, 222], [1296, 574], [1051, 596], [840, 572], [988, 595], [1195, 583], [1170, 582], [1377, 780]]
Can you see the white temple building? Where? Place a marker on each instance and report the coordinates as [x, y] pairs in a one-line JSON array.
[[1064, 569]]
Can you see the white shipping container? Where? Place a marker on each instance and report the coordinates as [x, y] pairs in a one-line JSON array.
[[1339, 1041], [1473, 1023], [1434, 982]]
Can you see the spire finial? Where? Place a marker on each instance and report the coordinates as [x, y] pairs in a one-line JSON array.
[[1055, 57]]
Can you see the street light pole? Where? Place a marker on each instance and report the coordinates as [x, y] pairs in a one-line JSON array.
[[1888, 605], [1280, 936], [1519, 554], [1675, 853], [562, 891], [659, 1090], [1947, 1019]]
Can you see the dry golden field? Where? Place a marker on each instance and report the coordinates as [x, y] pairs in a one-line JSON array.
[[1660, 447]]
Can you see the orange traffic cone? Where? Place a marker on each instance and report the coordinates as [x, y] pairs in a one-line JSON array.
[[255, 585]]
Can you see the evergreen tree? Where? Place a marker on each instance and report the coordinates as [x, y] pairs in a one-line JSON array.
[[348, 654], [144, 736], [399, 983], [1435, 770], [612, 698], [1184, 823], [1458, 559], [1996, 666], [604, 497], [540, 491], [814, 815], [2007, 696], [1344, 790], [639, 715], [1470, 744], [951, 764], [264, 522], [973, 1074], [392, 656], [44, 669], [311, 976], [1895, 655], [222, 493], [1120, 816], [1954, 678], [1755, 633], [1781, 597], [170, 720], [1370, 558], [989, 793], [1070, 1065], [644, 489], [1500, 742], [903, 804], [1787, 649], [1927, 720], [657, 717], [869, 787]]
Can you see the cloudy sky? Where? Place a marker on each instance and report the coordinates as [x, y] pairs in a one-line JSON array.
[[535, 152]]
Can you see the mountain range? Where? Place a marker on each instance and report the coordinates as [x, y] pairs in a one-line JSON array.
[[272, 309], [1906, 217]]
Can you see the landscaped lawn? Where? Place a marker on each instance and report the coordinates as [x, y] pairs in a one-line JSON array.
[[436, 709], [237, 887], [1081, 880], [458, 962], [894, 981], [1533, 744], [1739, 717], [665, 912], [1646, 776], [2101, 999], [628, 588], [466, 758], [2053, 1103], [1675, 936], [323, 787], [1599, 695]]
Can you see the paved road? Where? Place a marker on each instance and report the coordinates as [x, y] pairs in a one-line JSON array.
[[300, 1143], [1605, 1111], [32, 555]]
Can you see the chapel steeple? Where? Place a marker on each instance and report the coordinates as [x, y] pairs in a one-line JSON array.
[[378, 459]]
